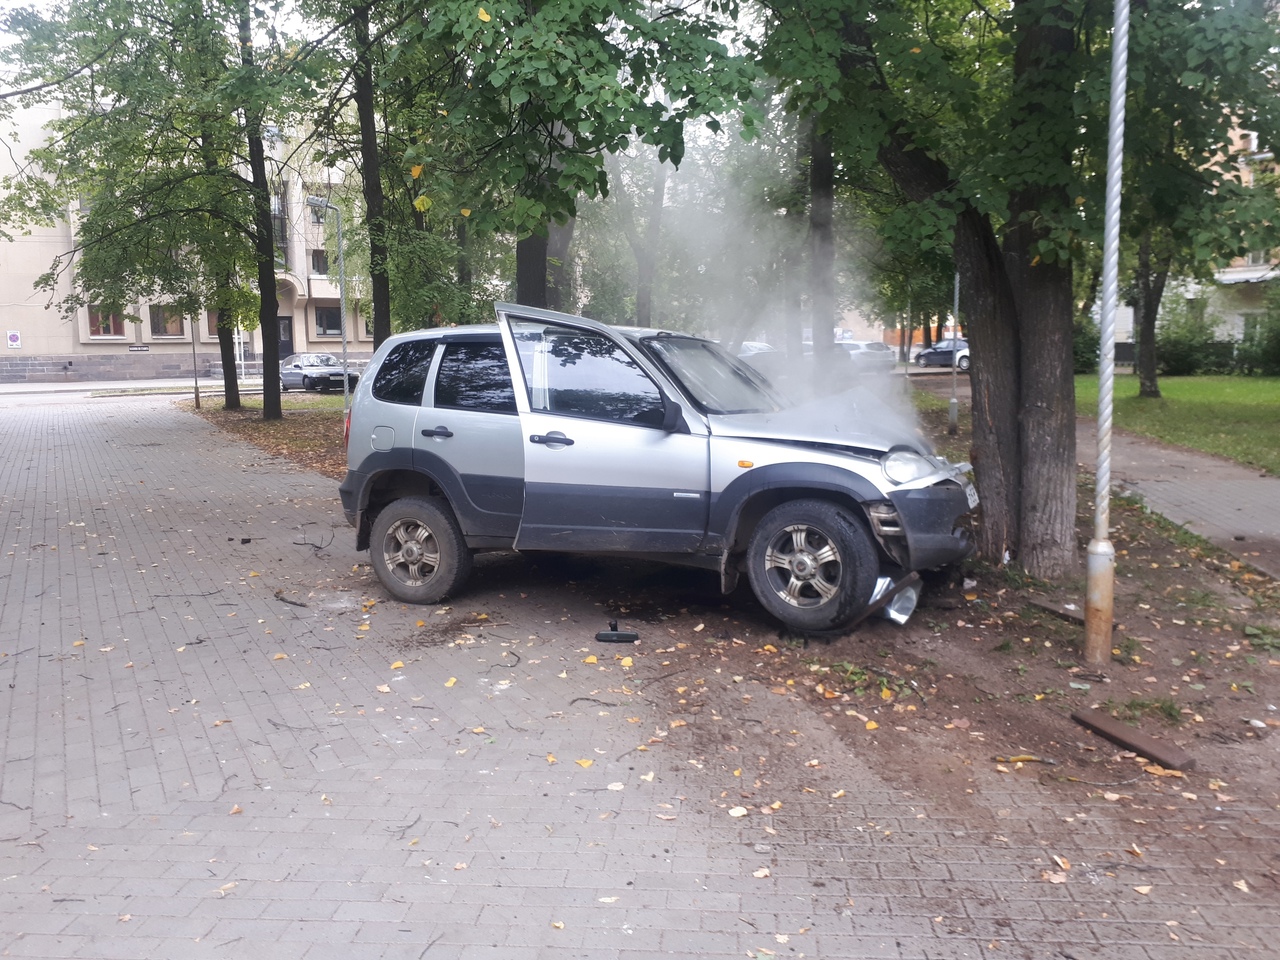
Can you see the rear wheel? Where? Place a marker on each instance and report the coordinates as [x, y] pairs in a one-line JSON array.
[[284, 387], [417, 550], [963, 363], [813, 565]]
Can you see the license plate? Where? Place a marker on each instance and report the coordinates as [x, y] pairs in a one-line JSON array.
[[971, 492]]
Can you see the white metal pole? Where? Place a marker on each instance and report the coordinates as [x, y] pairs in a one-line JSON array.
[[1100, 599]]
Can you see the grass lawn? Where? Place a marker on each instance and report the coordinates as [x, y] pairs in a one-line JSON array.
[[1236, 417]]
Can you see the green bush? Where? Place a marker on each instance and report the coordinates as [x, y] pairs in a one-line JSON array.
[[1185, 340], [1085, 343]]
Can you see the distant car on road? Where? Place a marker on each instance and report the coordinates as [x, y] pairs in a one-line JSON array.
[[869, 355], [314, 371], [944, 353]]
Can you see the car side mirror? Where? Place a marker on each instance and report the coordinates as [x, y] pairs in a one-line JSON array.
[[672, 421]]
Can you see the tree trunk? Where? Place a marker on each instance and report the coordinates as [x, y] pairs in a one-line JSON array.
[[371, 177], [559, 274], [531, 270], [264, 246], [1148, 285], [1044, 299], [647, 255], [986, 299], [822, 249]]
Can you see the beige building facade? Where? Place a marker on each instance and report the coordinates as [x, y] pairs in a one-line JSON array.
[[154, 341]]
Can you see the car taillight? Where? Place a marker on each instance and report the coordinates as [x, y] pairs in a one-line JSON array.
[[346, 430]]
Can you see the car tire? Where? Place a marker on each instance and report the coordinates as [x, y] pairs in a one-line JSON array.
[[920, 361], [417, 550], [284, 387], [306, 383], [963, 363], [813, 565]]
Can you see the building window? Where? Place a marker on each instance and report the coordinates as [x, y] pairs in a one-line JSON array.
[[1257, 258], [368, 324], [317, 214], [166, 321], [320, 263], [328, 321], [105, 324], [212, 321]]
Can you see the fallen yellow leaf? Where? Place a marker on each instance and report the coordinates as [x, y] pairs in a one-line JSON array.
[[584, 763], [627, 661], [237, 809], [281, 656], [80, 643], [399, 664], [872, 725], [383, 688], [591, 659], [451, 681], [558, 924]]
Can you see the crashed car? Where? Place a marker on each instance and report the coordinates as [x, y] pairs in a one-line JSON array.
[[547, 432]]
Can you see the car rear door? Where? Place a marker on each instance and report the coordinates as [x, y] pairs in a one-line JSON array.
[[468, 435], [601, 472]]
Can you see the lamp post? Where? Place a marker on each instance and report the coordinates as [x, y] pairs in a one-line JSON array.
[[321, 203], [1101, 566]]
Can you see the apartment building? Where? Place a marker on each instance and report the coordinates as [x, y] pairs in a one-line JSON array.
[[152, 340]]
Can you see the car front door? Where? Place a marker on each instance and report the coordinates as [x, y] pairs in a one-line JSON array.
[[608, 466]]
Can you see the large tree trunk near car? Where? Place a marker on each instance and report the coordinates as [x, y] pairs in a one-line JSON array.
[[559, 272], [531, 270], [1044, 300]]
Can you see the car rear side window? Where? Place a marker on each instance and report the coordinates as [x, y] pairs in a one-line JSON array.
[[475, 376], [403, 375]]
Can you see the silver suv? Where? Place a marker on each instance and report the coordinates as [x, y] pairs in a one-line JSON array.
[[551, 432]]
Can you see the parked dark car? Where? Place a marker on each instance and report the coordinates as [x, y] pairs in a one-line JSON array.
[[314, 371], [944, 353]]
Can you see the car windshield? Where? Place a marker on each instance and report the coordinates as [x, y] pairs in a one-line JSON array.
[[319, 360], [714, 380]]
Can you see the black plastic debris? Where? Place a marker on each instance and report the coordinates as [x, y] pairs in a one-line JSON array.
[[614, 635]]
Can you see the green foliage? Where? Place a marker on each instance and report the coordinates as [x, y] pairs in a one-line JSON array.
[[1185, 335], [1085, 343], [1259, 348]]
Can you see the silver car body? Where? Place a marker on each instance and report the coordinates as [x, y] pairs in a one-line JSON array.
[[604, 444]]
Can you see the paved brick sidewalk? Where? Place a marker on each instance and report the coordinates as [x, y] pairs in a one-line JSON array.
[[1232, 506], [207, 753]]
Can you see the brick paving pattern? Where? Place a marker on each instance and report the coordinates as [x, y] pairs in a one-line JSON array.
[[207, 753]]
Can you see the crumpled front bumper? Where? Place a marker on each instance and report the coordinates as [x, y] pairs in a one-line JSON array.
[[933, 525]]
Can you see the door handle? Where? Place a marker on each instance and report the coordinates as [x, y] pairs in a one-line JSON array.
[[438, 432], [539, 438]]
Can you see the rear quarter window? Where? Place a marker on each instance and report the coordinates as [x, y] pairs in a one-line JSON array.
[[403, 374]]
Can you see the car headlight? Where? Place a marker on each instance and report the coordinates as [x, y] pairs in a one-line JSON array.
[[903, 466]]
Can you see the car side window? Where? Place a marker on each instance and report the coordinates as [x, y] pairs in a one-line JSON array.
[[475, 376], [585, 374], [403, 374]]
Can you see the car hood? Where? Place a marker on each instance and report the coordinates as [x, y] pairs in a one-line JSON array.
[[855, 419]]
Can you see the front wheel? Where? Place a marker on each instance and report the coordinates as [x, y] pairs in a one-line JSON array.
[[920, 361], [306, 383], [813, 565], [417, 550]]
